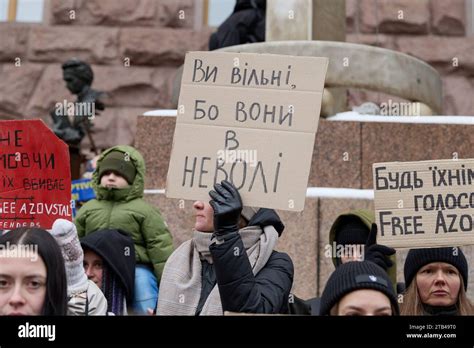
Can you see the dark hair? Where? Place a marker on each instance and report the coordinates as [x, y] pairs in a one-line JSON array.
[[55, 302], [113, 290]]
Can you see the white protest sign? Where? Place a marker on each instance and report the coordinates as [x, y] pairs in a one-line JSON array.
[[250, 119], [424, 204]]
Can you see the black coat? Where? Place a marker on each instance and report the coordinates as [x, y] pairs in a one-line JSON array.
[[301, 307], [240, 290]]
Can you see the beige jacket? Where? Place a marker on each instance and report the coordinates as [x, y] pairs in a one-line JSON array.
[[90, 302]]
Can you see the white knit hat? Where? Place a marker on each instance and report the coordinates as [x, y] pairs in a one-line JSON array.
[[65, 233]]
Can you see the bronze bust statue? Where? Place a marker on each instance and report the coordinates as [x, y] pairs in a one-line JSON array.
[[78, 76], [73, 121]]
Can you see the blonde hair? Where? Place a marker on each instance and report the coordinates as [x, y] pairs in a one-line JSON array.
[[412, 304]]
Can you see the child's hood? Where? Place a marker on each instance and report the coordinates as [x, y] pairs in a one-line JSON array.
[[136, 188]]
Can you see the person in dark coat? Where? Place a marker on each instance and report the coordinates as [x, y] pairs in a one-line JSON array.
[[230, 263], [109, 261], [356, 230], [246, 24]]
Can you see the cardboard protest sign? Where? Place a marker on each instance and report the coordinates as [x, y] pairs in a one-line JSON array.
[[250, 119], [424, 204], [35, 178]]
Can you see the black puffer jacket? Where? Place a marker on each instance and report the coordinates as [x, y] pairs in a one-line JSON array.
[[240, 290]]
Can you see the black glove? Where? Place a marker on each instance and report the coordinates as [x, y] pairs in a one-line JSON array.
[[378, 254], [227, 206]]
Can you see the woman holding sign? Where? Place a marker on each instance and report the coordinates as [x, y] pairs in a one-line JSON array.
[[229, 264], [436, 283]]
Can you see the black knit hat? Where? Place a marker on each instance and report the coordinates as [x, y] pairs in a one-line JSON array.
[[356, 275], [351, 230], [418, 258], [117, 161]]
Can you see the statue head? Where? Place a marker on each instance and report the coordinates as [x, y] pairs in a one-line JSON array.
[[77, 75]]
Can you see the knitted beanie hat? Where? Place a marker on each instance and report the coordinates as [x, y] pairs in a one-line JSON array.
[[351, 231], [417, 258], [65, 234], [356, 275], [117, 161]]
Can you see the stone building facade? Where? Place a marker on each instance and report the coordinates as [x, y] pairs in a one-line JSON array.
[[438, 32], [135, 48]]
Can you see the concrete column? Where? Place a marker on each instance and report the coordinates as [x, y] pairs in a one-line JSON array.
[[470, 17], [329, 20], [310, 20], [288, 20]]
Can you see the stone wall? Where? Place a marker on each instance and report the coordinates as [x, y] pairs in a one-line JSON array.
[[134, 47], [431, 30]]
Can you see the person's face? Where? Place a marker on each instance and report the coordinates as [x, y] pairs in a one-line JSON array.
[[93, 267], [204, 216], [111, 179], [364, 302], [74, 84], [22, 285], [438, 284]]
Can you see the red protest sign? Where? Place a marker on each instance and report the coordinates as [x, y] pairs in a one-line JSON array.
[[35, 178]]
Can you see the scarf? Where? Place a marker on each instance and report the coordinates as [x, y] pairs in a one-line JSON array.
[[439, 310], [180, 286]]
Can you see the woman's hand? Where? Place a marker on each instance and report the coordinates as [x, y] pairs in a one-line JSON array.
[[227, 206]]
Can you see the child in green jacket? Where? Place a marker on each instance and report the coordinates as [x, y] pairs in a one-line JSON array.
[[119, 184]]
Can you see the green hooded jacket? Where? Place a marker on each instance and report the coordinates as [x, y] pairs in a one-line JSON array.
[[125, 209], [367, 217]]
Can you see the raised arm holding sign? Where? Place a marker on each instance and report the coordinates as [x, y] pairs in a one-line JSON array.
[[232, 251], [250, 119]]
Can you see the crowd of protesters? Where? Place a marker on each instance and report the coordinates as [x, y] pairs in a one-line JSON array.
[[117, 258]]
